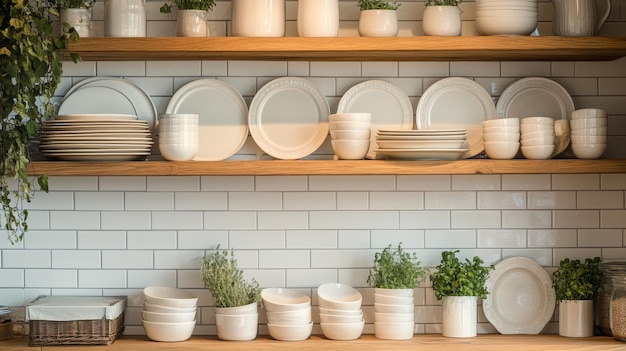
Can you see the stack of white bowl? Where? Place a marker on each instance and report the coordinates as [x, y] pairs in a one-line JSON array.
[[169, 314], [506, 17], [288, 314], [501, 138], [537, 137], [394, 314], [341, 317], [239, 323], [589, 128], [178, 136], [350, 134]]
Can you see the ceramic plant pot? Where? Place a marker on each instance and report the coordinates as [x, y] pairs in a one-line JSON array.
[[378, 23], [80, 19], [459, 316], [191, 23], [442, 20], [576, 318]]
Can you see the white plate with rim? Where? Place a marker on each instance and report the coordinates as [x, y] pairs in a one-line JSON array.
[[421, 137], [288, 118], [456, 102], [94, 117], [68, 156], [420, 144], [422, 154], [222, 116], [535, 97], [521, 298], [389, 105], [423, 132]]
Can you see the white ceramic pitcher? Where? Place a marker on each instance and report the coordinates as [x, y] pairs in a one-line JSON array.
[[124, 18], [574, 18]]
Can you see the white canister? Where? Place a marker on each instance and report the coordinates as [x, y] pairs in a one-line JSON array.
[[124, 18], [318, 18], [258, 18], [80, 19]]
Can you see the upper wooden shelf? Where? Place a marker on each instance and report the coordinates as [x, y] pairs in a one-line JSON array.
[[418, 48], [325, 167]]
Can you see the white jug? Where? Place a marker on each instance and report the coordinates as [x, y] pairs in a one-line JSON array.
[[578, 17], [124, 18]]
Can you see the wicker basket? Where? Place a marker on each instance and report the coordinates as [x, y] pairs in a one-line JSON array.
[[83, 332]]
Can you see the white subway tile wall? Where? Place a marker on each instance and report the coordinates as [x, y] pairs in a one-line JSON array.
[[116, 235]]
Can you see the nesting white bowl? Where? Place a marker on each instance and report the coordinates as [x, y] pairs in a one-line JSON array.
[[349, 125], [178, 151], [280, 299], [290, 332], [588, 139], [548, 140], [350, 134], [301, 316], [161, 309], [501, 150], [354, 149], [588, 151], [168, 332], [533, 128], [502, 129], [170, 297], [586, 123], [394, 331], [512, 24], [540, 152], [350, 117], [353, 312], [394, 317], [393, 300], [500, 122], [339, 296], [343, 331], [589, 113], [168, 317], [387, 308], [495, 137], [336, 318]]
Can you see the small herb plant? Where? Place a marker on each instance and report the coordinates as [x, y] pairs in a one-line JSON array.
[[205, 5], [225, 281], [73, 4], [455, 278], [442, 2], [378, 5], [396, 269], [576, 280]]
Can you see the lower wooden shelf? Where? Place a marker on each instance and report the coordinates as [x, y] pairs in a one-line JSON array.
[[483, 342], [325, 167]]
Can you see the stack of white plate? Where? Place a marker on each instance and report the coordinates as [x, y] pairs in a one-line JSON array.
[[433, 144], [506, 17], [96, 137]]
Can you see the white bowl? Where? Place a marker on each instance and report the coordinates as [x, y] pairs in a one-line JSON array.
[[359, 134], [549, 121], [162, 309], [393, 300], [491, 137], [339, 296], [588, 139], [350, 116], [394, 331], [585, 123], [168, 332], [501, 150], [589, 113], [178, 152], [280, 299], [602, 131], [501, 129], [343, 331], [542, 134], [384, 308], [506, 25], [394, 292], [168, 317], [394, 317], [588, 151], [290, 332], [350, 149], [170, 297], [542, 152], [301, 316], [355, 312], [500, 122], [349, 125], [530, 128], [548, 140], [235, 327], [334, 318]]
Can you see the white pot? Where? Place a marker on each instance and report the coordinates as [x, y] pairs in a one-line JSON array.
[[378, 23], [394, 292], [251, 308], [459, 316], [191, 23], [124, 18], [237, 327], [576, 318], [442, 20], [258, 18], [318, 18], [80, 19]]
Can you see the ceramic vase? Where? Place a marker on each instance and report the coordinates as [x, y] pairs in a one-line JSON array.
[[576, 318], [80, 19], [442, 20], [258, 18], [239, 323], [191, 23], [459, 316], [574, 18], [318, 18], [124, 18], [378, 23]]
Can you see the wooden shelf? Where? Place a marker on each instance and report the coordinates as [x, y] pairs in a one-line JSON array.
[[483, 342], [322, 167], [418, 48]]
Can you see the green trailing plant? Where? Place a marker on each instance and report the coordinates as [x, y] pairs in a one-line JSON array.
[[377, 5], [31, 64], [442, 2], [205, 5], [576, 280], [453, 277], [73, 4], [396, 269], [225, 280]]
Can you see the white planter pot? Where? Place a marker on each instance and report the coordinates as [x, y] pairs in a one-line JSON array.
[[576, 318], [258, 18], [191, 23], [237, 327], [459, 316], [80, 19], [124, 18], [318, 18], [245, 309], [442, 20], [378, 23]]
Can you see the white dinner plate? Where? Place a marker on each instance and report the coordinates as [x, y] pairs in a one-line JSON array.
[[521, 298], [288, 118], [137, 127], [77, 146], [222, 117], [421, 144], [535, 97], [140, 99], [423, 132], [389, 105], [456, 103], [422, 154], [88, 118], [421, 137], [69, 156]]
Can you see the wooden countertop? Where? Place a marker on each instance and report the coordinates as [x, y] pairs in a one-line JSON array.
[[483, 342]]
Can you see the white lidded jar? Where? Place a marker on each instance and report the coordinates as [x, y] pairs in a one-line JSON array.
[[258, 18], [318, 18], [124, 18]]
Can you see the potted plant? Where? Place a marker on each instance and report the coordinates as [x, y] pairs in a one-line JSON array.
[[393, 276], [378, 18], [75, 13], [31, 70], [236, 299], [459, 284], [191, 20], [442, 17], [576, 284]]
